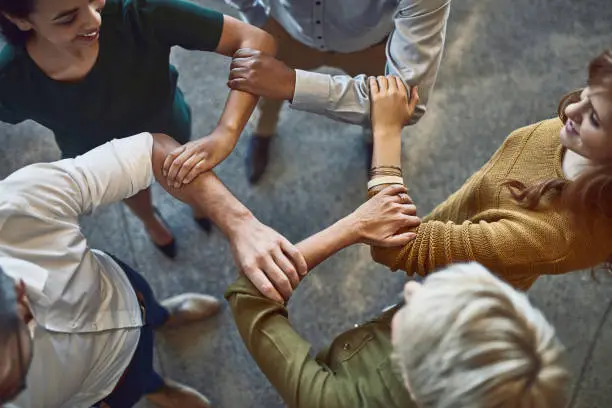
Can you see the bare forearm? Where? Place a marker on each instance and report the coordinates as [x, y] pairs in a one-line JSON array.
[[238, 109], [387, 152], [387, 148], [240, 105], [206, 192], [324, 244]]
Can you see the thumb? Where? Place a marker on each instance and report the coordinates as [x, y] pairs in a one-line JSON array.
[[414, 99], [245, 53]]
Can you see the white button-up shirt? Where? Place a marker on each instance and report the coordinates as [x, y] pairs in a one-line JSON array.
[[86, 312], [416, 30]]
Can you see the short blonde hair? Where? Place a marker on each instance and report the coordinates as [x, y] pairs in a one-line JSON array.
[[467, 339]]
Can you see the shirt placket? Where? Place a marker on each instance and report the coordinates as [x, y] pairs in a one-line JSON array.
[[318, 24]]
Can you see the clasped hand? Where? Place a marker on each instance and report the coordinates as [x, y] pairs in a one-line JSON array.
[[186, 162]]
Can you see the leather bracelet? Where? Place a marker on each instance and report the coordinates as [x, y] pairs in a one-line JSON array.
[[385, 180], [386, 167], [385, 173]]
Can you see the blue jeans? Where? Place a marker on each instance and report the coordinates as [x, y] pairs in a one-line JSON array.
[[139, 377]]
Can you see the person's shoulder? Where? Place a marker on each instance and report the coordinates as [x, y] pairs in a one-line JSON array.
[[128, 20], [14, 74], [127, 9], [547, 126], [12, 61]]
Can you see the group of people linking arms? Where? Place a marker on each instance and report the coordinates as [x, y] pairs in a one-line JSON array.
[[462, 337]]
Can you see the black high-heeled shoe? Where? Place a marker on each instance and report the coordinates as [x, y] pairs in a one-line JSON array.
[[204, 223], [169, 249]]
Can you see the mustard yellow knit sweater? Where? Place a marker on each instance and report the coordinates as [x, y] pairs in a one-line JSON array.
[[482, 222]]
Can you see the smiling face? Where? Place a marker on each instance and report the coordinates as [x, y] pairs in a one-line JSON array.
[[588, 128], [65, 24]]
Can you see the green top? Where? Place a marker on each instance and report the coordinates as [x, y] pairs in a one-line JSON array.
[[132, 87], [355, 371]]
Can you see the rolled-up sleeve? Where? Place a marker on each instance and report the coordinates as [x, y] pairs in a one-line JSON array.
[[68, 188], [414, 52]]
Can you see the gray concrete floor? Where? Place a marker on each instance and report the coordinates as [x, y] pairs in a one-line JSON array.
[[507, 63]]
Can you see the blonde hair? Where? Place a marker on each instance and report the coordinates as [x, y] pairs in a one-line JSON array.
[[467, 339]]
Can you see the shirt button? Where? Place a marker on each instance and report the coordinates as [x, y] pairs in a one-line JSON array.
[[319, 37], [318, 21], [318, 3], [94, 326], [347, 346]]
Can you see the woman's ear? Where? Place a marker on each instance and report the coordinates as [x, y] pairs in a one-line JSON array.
[[23, 306], [21, 23]]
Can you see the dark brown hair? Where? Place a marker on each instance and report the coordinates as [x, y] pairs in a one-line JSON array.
[[591, 191], [19, 9]]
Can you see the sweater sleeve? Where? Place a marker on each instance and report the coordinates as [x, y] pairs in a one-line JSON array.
[[180, 22], [516, 245]]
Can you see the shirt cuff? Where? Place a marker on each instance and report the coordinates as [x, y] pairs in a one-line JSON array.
[[311, 91], [243, 286], [134, 154], [256, 14]]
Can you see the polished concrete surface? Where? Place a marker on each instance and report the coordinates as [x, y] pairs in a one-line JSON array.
[[506, 64]]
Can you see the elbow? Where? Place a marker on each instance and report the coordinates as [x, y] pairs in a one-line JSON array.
[[163, 144], [269, 43], [419, 112], [383, 256], [261, 41]]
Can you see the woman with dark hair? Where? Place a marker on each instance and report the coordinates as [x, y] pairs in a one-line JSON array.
[[90, 82], [541, 205]]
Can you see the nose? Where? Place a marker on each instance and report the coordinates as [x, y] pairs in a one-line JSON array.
[[93, 19], [574, 111]]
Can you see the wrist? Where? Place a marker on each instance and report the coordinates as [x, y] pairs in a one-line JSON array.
[[289, 93], [223, 131], [235, 220], [349, 231], [387, 131]]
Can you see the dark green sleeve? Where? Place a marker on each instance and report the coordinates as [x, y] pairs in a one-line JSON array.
[[9, 116], [283, 355], [7, 86], [182, 23]]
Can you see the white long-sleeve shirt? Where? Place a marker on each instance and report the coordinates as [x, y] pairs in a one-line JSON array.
[[86, 312]]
